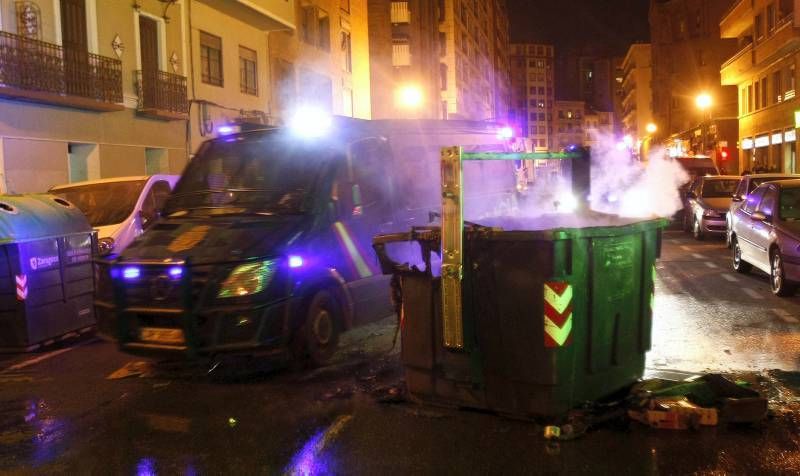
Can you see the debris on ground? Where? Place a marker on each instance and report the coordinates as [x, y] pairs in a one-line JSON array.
[[337, 393], [133, 369], [699, 401], [390, 394]]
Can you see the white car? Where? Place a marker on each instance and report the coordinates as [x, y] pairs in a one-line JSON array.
[[120, 209]]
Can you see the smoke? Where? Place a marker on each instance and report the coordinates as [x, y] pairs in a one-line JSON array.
[[629, 188]]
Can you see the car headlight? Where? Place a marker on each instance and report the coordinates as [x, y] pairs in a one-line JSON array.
[[105, 246], [247, 279]]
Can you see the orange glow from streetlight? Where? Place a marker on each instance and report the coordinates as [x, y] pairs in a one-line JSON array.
[[651, 128], [409, 96], [703, 101]]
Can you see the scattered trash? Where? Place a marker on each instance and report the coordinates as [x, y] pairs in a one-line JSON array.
[[338, 393], [390, 394], [552, 432], [162, 385], [133, 369], [701, 401]]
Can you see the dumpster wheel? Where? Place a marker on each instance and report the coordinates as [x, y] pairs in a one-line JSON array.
[[319, 335]]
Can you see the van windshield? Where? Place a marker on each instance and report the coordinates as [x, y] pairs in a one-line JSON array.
[[236, 176], [719, 188], [105, 203]]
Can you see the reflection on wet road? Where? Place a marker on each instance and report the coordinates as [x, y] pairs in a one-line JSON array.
[[61, 415]]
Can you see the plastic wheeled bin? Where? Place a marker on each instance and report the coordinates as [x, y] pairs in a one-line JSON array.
[[555, 313], [46, 272]]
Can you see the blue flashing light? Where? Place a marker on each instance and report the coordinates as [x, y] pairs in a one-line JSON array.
[[175, 272], [132, 272], [227, 130], [295, 261]]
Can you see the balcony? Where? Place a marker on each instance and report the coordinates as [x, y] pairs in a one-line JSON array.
[[735, 69], [161, 95], [33, 70]]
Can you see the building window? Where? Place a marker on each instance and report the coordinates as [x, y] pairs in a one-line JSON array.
[[347, 52], [764, 93], [401, 52], [442, 43], [777, 87], [400, 13], [248, 74], [347, 102], [211, 58], [758, 26], [789, 83], [750, 96], [541, 116], [443, 76], [323, 30], [344, 5], [743, 103], [771, 17], [758, 96]]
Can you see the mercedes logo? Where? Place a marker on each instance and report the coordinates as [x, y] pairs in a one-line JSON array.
[[160, 287]]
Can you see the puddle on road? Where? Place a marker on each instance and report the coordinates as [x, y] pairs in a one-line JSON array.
[[29, 432]]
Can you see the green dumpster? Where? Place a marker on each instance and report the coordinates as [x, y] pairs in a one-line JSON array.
[[553, 311], [46, 274]]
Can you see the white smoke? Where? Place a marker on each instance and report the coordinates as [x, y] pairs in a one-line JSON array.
[[624, 186]]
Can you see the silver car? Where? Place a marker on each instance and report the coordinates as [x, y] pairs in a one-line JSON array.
[[707, 203], [747, 184]]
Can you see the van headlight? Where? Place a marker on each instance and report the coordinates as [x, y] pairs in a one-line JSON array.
[[247, 279]]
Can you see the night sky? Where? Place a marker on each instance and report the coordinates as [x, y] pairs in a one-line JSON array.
[[610, 25]]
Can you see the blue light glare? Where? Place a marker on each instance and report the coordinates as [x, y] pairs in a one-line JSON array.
[[175, 272], [132, 272], [505, 132], [227, 130], [295, 261]]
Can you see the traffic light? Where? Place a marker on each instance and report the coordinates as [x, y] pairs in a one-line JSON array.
[[723, 153]]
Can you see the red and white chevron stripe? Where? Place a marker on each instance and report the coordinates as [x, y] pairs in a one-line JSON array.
[[557, 314], [22, 287]]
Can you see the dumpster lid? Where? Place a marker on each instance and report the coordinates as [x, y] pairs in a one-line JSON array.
[[586, 223], [34, 216]]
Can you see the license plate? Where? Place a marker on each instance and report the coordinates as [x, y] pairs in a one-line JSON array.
[[162, 336]]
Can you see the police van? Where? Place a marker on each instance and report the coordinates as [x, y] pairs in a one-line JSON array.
[[264, 245]]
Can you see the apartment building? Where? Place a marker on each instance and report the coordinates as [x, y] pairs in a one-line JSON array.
[[90, 89], [764, 72], [598, 128], [230, 65], [569, 124], [687, 52], [637, 96], [325, 62], [406, 76], [470, 47], [532, 93]]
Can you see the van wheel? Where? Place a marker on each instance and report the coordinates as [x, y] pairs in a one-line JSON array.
[[739, 265], [319, 335], [778, 283]]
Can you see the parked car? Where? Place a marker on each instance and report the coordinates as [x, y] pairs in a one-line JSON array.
[[766, 234], [707, 201], [695, 166], [120, 209], [747, 184]]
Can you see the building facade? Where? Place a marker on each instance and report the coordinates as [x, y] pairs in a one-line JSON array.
[[569, 124], [637, 95], [687, 52], [404, 59], [532, 93], [764, 71], [90, 89], [228, 45], [598, 128], [470, 46]]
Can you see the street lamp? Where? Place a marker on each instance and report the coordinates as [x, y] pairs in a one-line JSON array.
[[409, 96], [651, 128], [704, 102]]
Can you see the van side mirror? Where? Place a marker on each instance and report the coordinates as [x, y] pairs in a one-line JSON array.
[[737, 198]]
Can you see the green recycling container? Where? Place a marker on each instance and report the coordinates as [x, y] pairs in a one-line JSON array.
[[557, 312]]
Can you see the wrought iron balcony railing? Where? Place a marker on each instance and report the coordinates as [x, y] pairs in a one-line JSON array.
[[162, 94], [46, 72]]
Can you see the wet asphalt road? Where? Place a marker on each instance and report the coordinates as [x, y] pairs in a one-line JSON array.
[[59, 414]]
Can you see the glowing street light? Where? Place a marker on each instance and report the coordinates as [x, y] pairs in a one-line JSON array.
[[703, 101], [409, 96], [651, 128]]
